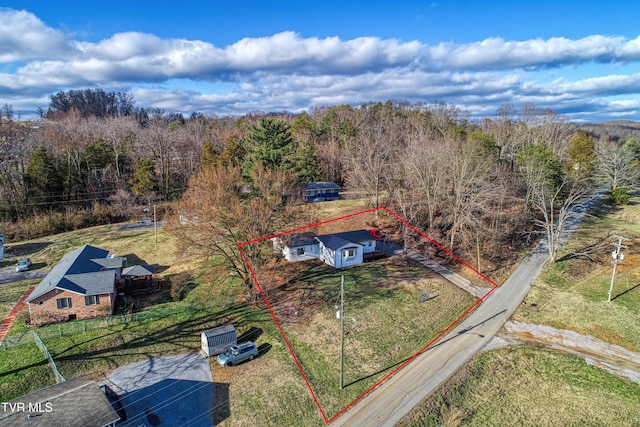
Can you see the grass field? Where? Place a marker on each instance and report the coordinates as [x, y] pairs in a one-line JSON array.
[[270, 390], [572, 294], [525, 386], [385, 322]]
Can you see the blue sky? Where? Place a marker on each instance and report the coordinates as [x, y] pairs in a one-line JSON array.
[[578, 58]]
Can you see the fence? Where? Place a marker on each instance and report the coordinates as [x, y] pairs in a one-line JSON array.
[[45, 351], [80, 326]]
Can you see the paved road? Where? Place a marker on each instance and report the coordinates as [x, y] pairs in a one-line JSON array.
[[394, 399], [9, 274]]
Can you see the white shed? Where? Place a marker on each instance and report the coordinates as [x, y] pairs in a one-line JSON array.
[[217, 340]]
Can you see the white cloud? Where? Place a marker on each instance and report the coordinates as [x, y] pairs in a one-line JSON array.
[[25, 37], [287, 71]]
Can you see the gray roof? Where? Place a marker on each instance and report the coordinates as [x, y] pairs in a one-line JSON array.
[[138, 270], [335, 242], [113, 262], [97, 283], [299, 239], [75, 402], [357, 236], [322, 185], [224, 329], [78, 262]]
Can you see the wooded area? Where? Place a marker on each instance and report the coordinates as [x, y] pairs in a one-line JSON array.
[[94, 158]]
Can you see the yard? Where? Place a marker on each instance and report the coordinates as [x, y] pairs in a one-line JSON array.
[[392, 310], [385, 324]]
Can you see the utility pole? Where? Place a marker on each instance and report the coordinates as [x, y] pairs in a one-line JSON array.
[[342, 333], [616, 255], [155, 223]]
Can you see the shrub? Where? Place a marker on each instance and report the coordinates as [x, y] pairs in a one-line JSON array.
[[619, 196]]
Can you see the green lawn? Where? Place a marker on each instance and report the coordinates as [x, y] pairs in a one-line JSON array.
[[385, 323], [526, 386], [572, 294]]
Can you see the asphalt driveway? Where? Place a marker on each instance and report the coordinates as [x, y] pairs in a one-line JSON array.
[[165, 391]]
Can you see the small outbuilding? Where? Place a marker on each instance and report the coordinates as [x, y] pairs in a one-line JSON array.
[[217, 340]]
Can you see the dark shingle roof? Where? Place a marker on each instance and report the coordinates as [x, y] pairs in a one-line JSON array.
[[138, 270], [79, 262], [334, 242], [322, 185], [97, 283], [356, 236], [75, 402], [299, 239], [113, 262]]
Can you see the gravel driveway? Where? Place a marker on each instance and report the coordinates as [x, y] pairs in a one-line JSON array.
[[165, 391]]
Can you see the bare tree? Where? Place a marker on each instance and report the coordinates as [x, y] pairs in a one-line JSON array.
[[556, 207], [425, 165], [617, 165], [373, 151], [472, 188], [219, 211]]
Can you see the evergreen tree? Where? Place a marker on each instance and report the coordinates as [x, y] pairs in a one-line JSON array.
[[144, 183], [42, 180], [271, 144], [306, 163], [582, 155]]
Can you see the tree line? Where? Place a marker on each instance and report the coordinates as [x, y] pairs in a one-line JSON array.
[[472, 184]]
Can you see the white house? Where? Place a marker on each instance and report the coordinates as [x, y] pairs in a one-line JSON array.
[[338, 250], [298, 247]]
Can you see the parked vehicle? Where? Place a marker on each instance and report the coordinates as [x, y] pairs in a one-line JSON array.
[[23, 265], [237, 354], [376, 233]]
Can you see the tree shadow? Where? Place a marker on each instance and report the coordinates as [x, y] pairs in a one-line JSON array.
[[264, 349], [25, 249], [173, 401], [250, 334], [401, 362], [626, 292], [591, 251]]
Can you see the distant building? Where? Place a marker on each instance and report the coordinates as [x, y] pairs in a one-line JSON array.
[[337, 250], [321, 191]]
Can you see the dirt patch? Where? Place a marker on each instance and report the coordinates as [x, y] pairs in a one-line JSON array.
[[624, 362]]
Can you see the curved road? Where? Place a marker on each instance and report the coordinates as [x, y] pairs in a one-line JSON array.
[[395, 398]]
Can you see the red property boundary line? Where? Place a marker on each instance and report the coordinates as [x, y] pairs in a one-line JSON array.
[[406, 362]]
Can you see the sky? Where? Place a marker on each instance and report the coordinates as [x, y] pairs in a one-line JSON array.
[[580, 59]]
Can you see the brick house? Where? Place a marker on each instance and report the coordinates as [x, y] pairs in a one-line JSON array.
[[81, 286]]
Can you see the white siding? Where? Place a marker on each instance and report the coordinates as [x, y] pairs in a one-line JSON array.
[[309, 252]]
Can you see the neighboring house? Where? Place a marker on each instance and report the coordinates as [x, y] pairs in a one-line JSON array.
[[75, 402], [337, 250], [82, 285], [321, 191]]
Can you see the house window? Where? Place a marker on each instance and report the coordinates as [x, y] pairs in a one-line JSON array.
[[300, 251], [91, 300], [349, 253], [64, 303]]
